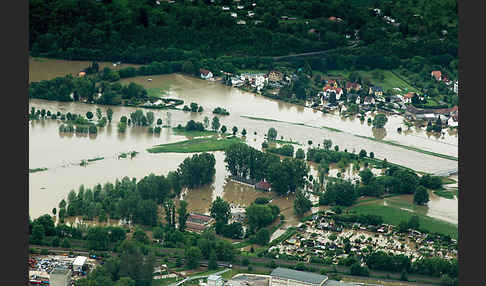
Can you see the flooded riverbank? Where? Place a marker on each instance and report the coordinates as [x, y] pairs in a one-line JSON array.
[[61, 153]]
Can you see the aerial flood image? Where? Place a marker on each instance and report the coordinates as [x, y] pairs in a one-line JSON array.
[[243, 142]]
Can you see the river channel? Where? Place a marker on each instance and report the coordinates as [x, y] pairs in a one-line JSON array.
[[61, 154]]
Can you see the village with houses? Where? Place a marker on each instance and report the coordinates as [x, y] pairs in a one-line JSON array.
[[325, 237], [339, 94]]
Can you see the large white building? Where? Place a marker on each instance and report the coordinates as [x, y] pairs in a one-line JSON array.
[[289, 277]]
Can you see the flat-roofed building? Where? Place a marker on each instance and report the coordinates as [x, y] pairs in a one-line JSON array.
[[289, 277]]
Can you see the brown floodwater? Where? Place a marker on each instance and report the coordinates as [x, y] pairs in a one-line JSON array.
[[45, 69], [62, 153]]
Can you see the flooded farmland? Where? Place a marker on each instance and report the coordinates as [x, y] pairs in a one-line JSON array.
[[61, 154]]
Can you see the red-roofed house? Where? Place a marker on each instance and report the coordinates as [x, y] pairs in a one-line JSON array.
[[332, 82], [336, 90], [262, 185], [407, 98], [437, 75], [352, 86], [205, 74], [195, 227]]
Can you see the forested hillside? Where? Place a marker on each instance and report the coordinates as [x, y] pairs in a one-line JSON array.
[[423, 34]]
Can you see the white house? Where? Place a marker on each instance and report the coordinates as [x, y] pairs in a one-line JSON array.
[[251, 14], [239, 7], [453, 121], [205, 74], [336, 90], [237, 81], [226, 8], [241, 22], [234, 15]]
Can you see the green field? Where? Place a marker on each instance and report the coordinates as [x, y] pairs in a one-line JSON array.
[[195, 145], [394, 215], [163, 282], [194, 133], [390, 81]]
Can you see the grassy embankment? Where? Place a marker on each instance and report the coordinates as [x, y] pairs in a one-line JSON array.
[[394, 215], [411, 148], [37, 170], [195, 145], [365, 137]]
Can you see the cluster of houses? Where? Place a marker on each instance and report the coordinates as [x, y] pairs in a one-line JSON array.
[[240, 9], [453, 85], [324, 237], [272, 79]]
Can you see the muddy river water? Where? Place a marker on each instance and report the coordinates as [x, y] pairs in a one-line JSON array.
[[61, 154]]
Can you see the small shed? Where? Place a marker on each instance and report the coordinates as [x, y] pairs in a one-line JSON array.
[[78, 263]]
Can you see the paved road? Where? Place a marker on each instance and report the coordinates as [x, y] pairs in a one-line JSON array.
[[198, 277], [313, 53]]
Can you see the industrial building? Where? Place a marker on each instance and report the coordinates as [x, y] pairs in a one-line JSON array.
[[289, 277]]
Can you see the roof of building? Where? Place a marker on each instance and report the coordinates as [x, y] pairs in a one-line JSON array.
[[200, 217], [436, 74], [80, 260], [376, 88], [338, 283], [409, 95], [298, 275], [195, 226], [204, 72]]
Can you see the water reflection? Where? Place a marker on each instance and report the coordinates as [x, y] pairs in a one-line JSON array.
[[379, 133]]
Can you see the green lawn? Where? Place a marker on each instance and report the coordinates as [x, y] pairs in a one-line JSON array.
[[390, 81], [163, 282], [159, 91], [195, 145], [394, 215]]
